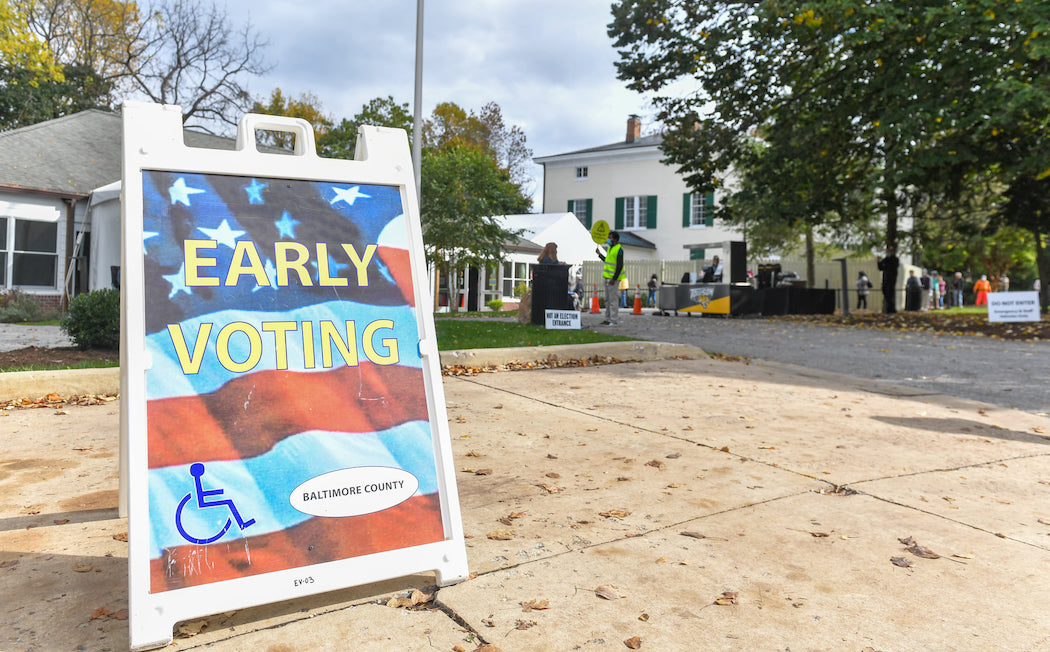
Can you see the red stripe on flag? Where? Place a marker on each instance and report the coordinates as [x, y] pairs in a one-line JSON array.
[[400, 265], [415, 522], [248, 415]]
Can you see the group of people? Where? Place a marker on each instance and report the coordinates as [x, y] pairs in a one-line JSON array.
[[927, 291]]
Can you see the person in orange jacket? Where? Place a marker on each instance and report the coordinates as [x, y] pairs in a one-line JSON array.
[[981, 288]]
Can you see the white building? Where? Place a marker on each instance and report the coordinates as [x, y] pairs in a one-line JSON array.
[[627, 185]]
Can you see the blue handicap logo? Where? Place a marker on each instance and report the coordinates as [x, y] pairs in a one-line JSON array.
[[203, 502]]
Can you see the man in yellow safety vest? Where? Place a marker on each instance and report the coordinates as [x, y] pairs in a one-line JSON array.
[[611, 274]]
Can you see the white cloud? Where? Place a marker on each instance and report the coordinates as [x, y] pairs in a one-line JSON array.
[[547, 63]]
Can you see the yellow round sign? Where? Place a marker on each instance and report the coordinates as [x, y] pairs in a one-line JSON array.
[[600, 231]]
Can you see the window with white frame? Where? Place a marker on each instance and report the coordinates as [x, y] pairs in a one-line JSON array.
[[28, 253], [698, 211], [579, 209], [514, 273], [581, 172], [635, 212]]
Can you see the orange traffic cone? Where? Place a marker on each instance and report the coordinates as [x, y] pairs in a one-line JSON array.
[[463, 300], [637, 301], [595, 308]]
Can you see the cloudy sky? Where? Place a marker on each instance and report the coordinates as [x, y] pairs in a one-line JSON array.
[[547, 63]]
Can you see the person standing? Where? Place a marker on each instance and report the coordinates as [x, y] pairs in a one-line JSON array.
[[624, 286], [863, 287], [549, 255], [1004, 283], [912, 292], [651, 302], [981, 288], [612, 272], [924, 298], [957, 290], [889, 265]]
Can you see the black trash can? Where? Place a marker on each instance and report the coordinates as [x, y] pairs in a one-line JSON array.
[[550, 290]]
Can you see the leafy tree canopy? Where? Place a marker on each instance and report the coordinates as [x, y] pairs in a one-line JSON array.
[[307, 107]]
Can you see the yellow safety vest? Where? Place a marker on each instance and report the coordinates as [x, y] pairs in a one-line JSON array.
[[610, 263]]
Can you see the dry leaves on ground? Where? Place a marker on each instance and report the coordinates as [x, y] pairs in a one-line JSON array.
[[727, 598], [615, 513], [633, 643], [414, 599], [535, 605], [917, 550], [500, 535], [607, 592]]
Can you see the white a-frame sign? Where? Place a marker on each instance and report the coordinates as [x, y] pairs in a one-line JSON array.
[[285, 427]]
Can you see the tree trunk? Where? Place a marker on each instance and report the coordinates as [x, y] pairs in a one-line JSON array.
[[1042, 264], [811, 268], [889, 196]]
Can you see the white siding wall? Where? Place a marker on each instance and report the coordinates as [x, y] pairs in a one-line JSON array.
[[627, 173]]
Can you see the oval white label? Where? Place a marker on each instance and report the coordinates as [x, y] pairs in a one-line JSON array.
[[353, 492]]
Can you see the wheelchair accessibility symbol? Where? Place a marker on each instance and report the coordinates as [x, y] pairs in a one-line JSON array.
[[197, 470]]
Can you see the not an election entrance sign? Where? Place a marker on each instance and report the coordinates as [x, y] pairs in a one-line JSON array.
[[285, 430], [561, 319], [1013, 306]]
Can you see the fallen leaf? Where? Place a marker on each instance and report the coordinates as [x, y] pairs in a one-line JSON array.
[[525, 624], [550, 488], [819, 535], [553, 475], [615, 513], [483, 472], [962, 555], [656, 464], [724, 449], [193, 628], [473, 453], [644, 618], [500, 535], [83, 568], [61, 521], [633, 643], [119, 614], [101, 612], [728, 597], [607, 592], [121, 536], [901, 561], [551, 457], [10, 563], [674, 456], [537, 605]]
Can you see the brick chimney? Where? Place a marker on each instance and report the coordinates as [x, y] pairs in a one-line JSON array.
[[634, 128]]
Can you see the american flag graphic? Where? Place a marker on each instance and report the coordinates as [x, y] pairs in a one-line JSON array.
[[282, 345]]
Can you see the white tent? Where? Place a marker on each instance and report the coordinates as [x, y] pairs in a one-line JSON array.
[[104, 216], [563, 229]]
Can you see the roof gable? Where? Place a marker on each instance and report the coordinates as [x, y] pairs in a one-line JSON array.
[[74, 154]]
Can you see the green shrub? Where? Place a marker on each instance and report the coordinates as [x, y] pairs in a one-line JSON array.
[[495, 305], [93, 320], [520, 289], [16, 306]]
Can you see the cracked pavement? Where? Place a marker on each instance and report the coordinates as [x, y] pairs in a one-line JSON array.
[[722, 505]]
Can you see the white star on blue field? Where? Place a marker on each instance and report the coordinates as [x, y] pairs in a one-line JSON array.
[[286, 225], [180, 192], [223, 234], [349, 195]]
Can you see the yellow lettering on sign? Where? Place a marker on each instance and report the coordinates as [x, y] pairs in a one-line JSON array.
[[283, 252], [194, 262], [246, 249], [191, 364]]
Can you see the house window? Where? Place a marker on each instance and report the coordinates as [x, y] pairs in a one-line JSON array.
[[581, 172], [698, 210], [581, 208], [635, 213], [514, 273], [696, 217], [28, 253]]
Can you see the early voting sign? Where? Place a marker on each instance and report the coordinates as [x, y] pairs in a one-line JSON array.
[[1013, 306], [285, 425]]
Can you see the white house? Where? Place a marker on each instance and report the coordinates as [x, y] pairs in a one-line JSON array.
[[49, 246], [626, 184]]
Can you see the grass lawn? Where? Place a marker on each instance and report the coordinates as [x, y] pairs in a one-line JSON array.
[[461, 334], [82, 364]]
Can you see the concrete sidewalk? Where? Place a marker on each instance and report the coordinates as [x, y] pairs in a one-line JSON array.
[[721, 506]]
